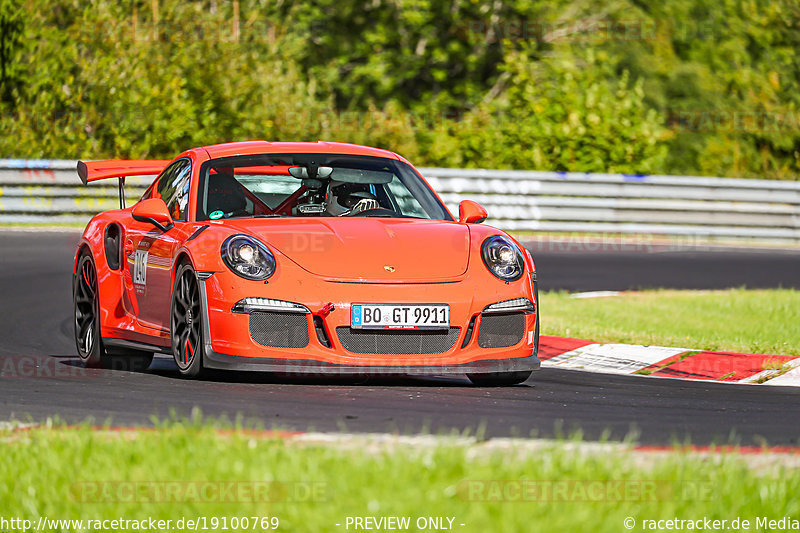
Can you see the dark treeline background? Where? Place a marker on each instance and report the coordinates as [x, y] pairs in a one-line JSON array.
[[707, 87]]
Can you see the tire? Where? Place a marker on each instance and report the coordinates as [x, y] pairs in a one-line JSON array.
[[499, 379], [86, 313], [86, 322], [186, 323]]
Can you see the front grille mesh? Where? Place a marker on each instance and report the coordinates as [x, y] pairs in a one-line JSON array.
[[279, 330], [501, 331], [394, 342]]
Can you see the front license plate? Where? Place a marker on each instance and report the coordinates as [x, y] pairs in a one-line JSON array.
[[390, 316]]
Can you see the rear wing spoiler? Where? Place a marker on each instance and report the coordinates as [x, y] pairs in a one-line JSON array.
[[90, 171]]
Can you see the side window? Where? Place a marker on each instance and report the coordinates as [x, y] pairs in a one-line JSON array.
[[161, 184], [405, 200], [149, 192], [173, 188]]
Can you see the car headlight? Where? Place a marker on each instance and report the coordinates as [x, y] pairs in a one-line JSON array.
[[503, 258], [248, 257]]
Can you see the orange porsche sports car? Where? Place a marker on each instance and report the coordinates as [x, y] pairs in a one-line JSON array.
[[300, 258]]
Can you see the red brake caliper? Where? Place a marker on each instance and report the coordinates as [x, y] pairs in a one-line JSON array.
[[186, 351], [85, 273]]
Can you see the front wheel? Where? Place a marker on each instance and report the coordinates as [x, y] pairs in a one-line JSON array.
[[186, 323], [499, 379]]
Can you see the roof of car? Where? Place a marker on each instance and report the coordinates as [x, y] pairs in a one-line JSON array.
[[320, 147]]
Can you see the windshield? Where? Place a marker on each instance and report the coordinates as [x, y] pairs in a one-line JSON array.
[[305, 185]]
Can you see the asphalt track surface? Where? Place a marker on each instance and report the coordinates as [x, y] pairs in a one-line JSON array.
[[41, 377]]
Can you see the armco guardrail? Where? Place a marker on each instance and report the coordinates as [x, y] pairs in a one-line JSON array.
[[50, 191], [619, 203]]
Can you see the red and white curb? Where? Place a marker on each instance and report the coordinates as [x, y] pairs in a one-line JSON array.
[[662, 361]]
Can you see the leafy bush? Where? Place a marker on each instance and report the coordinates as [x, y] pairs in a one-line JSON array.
[[688, 86], [560, 115]]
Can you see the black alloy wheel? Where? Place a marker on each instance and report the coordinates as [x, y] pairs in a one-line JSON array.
[[186, 323]]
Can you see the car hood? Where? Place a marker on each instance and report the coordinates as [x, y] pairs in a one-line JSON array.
[[366, 248]]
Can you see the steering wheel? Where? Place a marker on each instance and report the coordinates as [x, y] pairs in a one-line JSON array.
[[377, 212], [356, 202]]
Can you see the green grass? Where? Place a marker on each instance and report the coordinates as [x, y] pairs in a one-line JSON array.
[[750, 321], [46, 472]]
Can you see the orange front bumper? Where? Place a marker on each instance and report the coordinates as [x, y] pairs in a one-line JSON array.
[[229, 343]]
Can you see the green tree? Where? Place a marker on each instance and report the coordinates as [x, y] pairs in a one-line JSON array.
[[683, 87], [558, 115], [12, 25]]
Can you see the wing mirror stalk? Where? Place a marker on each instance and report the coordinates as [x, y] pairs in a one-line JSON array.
[[155, 212]]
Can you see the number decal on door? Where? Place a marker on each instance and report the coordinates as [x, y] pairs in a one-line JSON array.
[[140, 267]]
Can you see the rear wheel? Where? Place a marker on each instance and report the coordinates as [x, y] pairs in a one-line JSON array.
[[186, 323], [499, 379], [87, 309], [87, 325]]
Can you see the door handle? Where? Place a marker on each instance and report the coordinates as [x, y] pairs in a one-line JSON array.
[[128, 247]]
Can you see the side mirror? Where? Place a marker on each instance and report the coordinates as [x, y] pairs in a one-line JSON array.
[[470, 212], [154, 211]]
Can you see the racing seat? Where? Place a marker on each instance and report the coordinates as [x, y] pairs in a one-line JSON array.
[[226, 194]]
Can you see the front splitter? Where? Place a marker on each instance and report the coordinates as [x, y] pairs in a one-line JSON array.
[[303, 366]]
